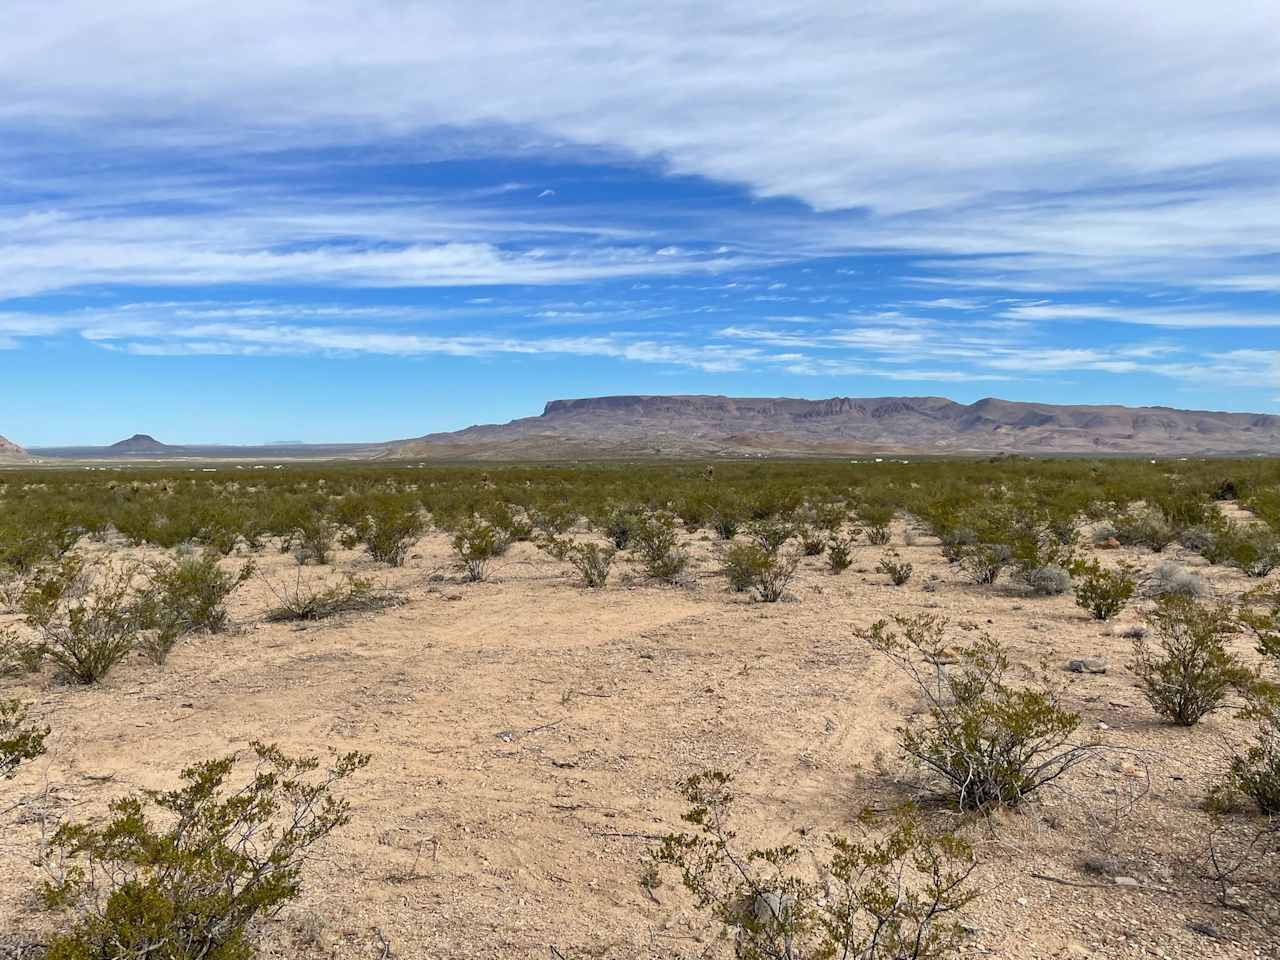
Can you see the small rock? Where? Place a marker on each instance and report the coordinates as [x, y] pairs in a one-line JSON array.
[[1124, 881], [1111, 543], [1088, 665]]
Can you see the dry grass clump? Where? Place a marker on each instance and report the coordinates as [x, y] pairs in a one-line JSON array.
[[306, 600]]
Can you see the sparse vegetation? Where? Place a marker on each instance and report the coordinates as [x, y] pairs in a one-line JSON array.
[[89, 615], [895, 568], [192, 884], [477, 544], [191, 593], [989, 742], [1191, 674], [20, 740], [469, 679], [657, 545], [839, 554], [891, 894], [308, 600], [1104, 591]]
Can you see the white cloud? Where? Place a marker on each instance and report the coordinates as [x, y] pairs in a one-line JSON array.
[[1186, 319], [1100, 142]]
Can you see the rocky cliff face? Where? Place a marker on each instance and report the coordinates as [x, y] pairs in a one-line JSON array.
[[710, 425]]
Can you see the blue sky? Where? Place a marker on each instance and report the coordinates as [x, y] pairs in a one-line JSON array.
[[239, 222]]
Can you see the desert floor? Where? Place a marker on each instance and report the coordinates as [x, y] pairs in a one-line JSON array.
[[528, 735]]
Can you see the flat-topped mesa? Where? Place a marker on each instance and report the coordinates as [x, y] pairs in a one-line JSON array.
[[695, 425], [712, 405]]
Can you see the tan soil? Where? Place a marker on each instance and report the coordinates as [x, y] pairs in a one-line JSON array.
[[528, 734]]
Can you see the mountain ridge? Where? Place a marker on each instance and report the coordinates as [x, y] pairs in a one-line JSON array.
[[712, 425], [10, 451]]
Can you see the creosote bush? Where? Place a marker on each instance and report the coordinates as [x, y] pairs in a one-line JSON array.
[[190, 883], [839, 554], [477, 544], [771, 534], [18, 656], [1192, 672], [656, 543], [616, 524], [750, 567], [1144, 526], [875, 518], [1103, 591], [990, 743], [740, 563], [89, 616], [388, 526], [20, 740], [983, 562], [895, 568], [191, 593], [1255, 770], [890, 894], [592, 561]]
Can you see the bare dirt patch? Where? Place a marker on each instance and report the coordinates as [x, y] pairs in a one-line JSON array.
[[527, 735]]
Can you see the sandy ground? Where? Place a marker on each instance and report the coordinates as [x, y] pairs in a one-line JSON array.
[[528, 734]]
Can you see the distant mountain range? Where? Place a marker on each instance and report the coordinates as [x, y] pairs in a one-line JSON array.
[[640, 427], [696, 426], [142, 446]]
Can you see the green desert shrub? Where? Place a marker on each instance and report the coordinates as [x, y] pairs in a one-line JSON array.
[[983, 562], [750, 567], [1192, 672], [186, 874], [1255, 769], [657, 546], [875, 518], [891, 893], [389, 527], [89, 616], [839, 554], [1252, 548], [812, 540], [20, 740], [770, 534], [592, 561], [190, 594], [773, 577], [1103, 591], [988, 741], [312, 537], [895, 568], [617, 523], [476, 544], [741, 562], [17, 655]]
